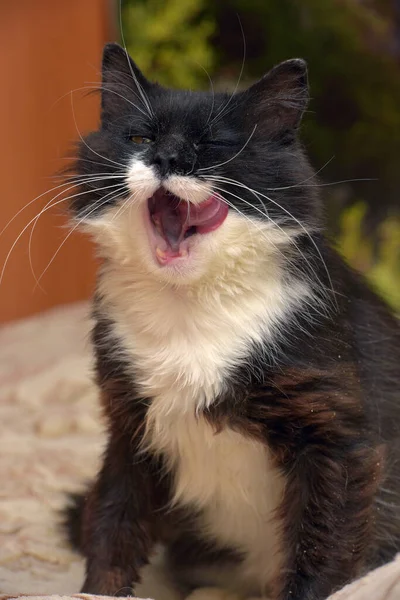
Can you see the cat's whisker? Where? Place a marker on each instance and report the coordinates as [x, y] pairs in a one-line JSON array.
[[102, 174], [223, 110], [61, 185], [101, 86], [104, 88], [102, 201], [142, 93], [264, 214], [249, 222], [234, 156], [255, 192], [328, 184], [87, 179], [301, 183], [314, 175], [87, 145], [276, 224], [213, 94], [98, 87], [108, 89], [125, 204], [32, 201], [273, 223], [74, 159], [47, 207], [311, 176], [19, 237], [82, 178]]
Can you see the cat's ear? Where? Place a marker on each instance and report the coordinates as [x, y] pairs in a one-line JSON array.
[[123, 84], [278, 100]]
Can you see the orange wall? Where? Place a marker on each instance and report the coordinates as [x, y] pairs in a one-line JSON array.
[[47, 49]]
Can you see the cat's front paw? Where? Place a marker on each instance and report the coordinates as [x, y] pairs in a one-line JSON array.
[[212, 593], [108, 582]]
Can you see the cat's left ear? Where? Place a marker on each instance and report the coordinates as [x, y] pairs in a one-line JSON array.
[[278, 100], [123, 84]]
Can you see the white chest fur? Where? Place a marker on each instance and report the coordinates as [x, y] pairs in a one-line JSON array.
[[182, 342], [231, 480], [182, 350]]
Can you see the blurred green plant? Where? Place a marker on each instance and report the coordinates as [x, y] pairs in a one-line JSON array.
[[382, 269], [169, 40]]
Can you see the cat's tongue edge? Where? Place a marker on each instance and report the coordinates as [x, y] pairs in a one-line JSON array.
[[206, 217]]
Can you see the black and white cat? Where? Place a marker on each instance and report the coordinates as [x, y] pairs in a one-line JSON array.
[[249, 378]]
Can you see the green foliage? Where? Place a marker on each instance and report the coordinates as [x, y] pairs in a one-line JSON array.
[[169, 40], [381, 269]]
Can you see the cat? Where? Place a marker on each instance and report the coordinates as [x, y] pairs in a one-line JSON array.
[[249, 378]]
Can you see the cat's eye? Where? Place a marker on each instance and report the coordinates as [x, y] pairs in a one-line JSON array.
[[140, 139]]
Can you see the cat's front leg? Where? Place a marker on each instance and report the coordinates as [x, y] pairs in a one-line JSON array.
[[118, 528], [329, 524], [333, 468]]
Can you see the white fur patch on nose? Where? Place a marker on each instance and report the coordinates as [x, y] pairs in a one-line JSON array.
[[188, 188], [142, 180]]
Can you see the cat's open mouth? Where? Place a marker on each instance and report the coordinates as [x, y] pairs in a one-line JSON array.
[[174, 220]]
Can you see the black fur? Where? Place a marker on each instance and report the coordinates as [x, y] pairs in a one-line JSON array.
[[202, 129], [324, 398], [72, 520]]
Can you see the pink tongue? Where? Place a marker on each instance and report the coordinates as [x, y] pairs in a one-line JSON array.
[[176, 219], [207, 216]]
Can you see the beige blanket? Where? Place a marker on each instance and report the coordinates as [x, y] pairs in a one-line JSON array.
[[51, 438]]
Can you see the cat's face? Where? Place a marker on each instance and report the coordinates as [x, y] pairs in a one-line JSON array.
[[181, 183]]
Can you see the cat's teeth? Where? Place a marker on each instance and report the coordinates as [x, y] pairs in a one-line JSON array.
[[160, 253]]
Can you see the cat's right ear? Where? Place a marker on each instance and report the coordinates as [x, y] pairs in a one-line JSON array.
[[123, 84], [278, 100]]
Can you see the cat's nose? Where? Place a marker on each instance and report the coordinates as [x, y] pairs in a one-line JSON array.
[[166, 161]]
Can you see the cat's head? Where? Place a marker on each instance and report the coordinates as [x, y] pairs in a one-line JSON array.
[[181, 183]]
